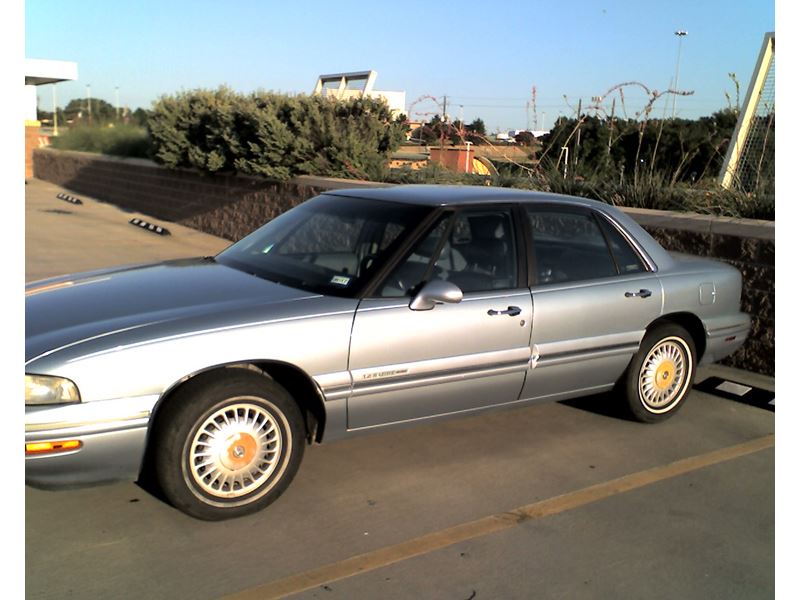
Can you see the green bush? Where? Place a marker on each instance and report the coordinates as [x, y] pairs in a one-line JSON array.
[[273, 135], [432, 173], [121, 140]]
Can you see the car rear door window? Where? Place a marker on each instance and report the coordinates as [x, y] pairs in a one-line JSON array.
[[568, 246], [628, 261]]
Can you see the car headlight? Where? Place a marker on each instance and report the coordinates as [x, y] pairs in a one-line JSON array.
[[45, 389]]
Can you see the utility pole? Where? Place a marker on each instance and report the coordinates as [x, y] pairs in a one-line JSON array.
[[680, 34], [578, 136], [55, 112], [89, 102], [611, 125], [116, 92], [444, 120]]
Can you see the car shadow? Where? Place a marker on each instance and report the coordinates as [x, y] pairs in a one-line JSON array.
[[147, 480], [607, 404]]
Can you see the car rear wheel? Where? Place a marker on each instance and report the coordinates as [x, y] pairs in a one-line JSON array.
[[660, 376], [228, 446]]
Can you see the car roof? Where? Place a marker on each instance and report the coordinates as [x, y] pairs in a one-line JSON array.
[[459, 195]]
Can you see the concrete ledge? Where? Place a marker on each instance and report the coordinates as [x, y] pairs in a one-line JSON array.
[[334, 183], [750, 228]]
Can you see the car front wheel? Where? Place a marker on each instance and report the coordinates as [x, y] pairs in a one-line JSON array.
[[660, 376], [228, 446]]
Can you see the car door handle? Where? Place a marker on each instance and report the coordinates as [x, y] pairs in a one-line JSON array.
[[511, 311], [639, 294]]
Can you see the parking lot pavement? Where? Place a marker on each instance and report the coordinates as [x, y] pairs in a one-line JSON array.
[[62, 237], [393, 515]]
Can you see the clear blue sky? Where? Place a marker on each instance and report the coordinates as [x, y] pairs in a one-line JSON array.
[[484, 55]]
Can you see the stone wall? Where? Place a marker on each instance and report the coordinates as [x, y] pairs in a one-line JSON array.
[[33, 139], [232, 206], [223, 205]]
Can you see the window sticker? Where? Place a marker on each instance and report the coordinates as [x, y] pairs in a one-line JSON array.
[[340, 280]]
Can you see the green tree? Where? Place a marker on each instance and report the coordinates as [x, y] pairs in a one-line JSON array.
[[139, 117], [525, 138], [78, 112], [43, 115], [477, 126]]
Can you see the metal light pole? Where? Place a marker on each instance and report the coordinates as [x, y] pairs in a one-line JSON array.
[[681, 34]]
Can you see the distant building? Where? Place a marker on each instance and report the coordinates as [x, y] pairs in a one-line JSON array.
[[41, 72], [358, 84], [512, 133]]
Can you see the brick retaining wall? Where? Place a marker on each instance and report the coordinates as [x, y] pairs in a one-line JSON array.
[[232, 206]]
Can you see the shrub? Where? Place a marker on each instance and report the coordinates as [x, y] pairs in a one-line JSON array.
[[273, 135], [121, 140]]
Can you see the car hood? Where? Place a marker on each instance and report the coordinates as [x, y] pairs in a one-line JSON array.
[[70, 309]]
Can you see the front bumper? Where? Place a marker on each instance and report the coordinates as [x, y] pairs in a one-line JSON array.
[[113, 435]]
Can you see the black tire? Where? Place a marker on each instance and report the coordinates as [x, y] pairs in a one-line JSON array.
[[251, 433], [661, 374]]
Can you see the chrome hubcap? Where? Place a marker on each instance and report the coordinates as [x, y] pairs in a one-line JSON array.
[[664, 374], [235, 450]]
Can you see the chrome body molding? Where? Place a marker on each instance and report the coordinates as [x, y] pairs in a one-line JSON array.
[[48, 422], [575, 349], [442, 370], [577, 356], [334, 386]]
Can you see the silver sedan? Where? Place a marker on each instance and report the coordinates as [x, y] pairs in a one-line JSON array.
[[356, 311]]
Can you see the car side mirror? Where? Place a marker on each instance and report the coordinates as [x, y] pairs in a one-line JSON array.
[[435, 292]]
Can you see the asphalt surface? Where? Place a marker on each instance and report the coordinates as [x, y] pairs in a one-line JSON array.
[[62, 237], [401, 501]]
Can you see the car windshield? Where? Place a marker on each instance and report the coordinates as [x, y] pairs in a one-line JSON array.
[[328, 245]]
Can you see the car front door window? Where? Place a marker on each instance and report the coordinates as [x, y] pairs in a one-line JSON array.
[[474, 249]]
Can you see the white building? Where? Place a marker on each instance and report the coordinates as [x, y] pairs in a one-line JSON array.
[[41, 72], [358, 84]]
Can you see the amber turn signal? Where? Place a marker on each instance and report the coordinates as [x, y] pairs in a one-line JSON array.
[[48, 447]]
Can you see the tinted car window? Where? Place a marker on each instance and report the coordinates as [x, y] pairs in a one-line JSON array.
[[627, 259], [568, 246], [475, 250], [328, 245]]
